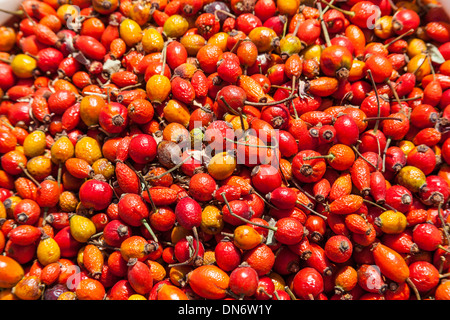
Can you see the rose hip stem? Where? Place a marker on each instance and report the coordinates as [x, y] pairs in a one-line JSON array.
[[328, 7], [236, 45], [431, 66], [297, 185], [164, 56], [103, 245], [228, 106], [412, 98], [194, 255], [322, 23], [397, 98], [388, 142], [249, 144], [236, 113], [346, 12], [420, 65], [369, 72], [29, 175], [223, 194], [414, 288], [273, 103], [263, 199], [154, 209], [407, 33], [290, 293], [15, 13], [362, 157], [444, 224], [225, 13], [312, 210], [381, 118], [171, 169], [375, 204]]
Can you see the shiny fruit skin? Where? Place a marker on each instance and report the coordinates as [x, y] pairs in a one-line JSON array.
[[142, 148], [424, 275], [81, 228], [96, 194], [171, 292], [132, 209], [246, 237], [391, 263], [308, 283], [12, 272], [188, 213], [209, 282], [90, 289], [228, 255], [140, 277], [244, 281]]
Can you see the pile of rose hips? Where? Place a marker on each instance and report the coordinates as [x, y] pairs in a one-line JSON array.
[[239, 149]]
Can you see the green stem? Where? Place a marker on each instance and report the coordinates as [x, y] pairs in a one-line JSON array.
[[327, 7], [15, 13], [164, 57], [44, 216], [8, 124], [249, 145], [398, 38], [313, 211], [5, 61], [241, 118], [149, 229], [347, 12], [297, 26], [397, 98], [412, 98], [227, 105], [276, 295], [375, 204], [444, 248], [362, 157], [285, 27], [96, 235], [290, 293], [323, 25], [242, 218], [264, 199], [326, 157], [294, 79]]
